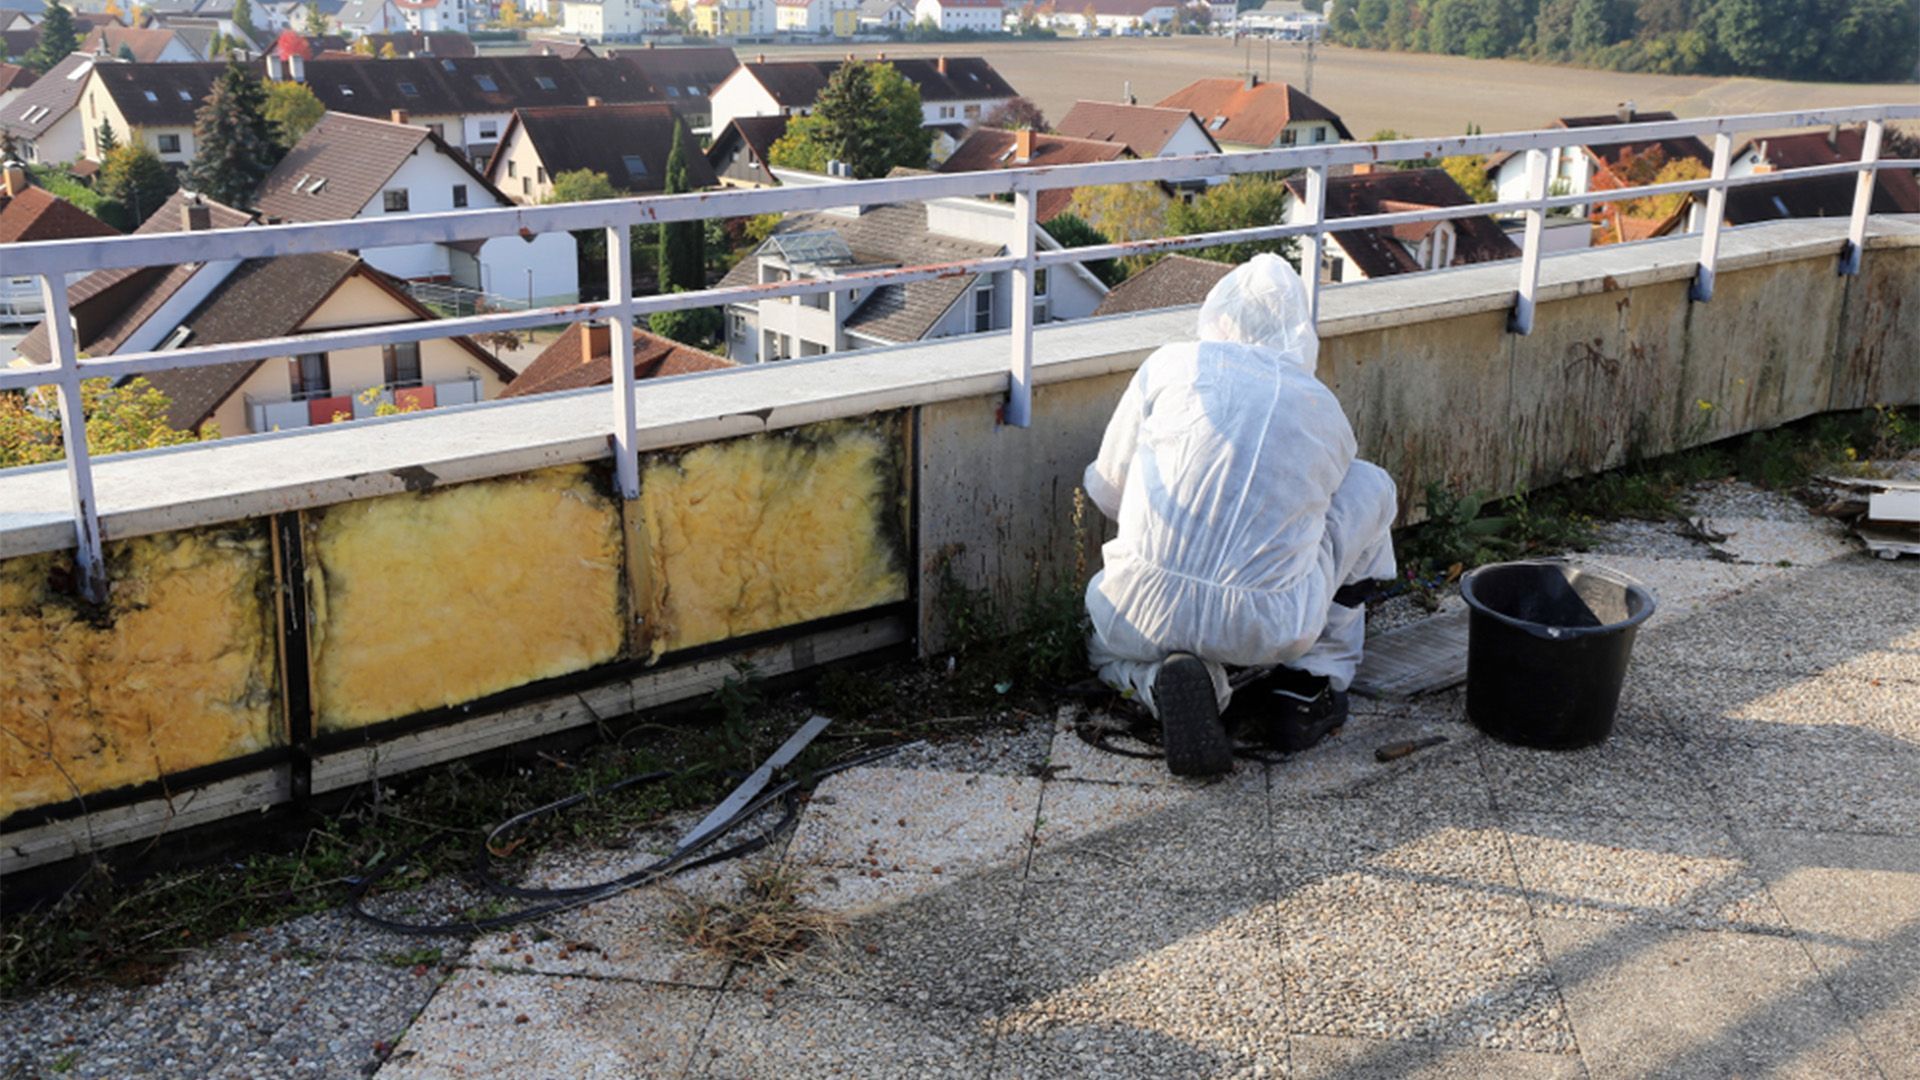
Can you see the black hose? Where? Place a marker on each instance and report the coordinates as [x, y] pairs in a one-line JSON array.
[[555, 900]]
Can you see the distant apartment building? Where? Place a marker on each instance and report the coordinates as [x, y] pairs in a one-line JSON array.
[[836, 18], [834, 244], [885, 15], [1112, 16], [436, 16], [1356, 254], [978, 16], [352, 167], [612, 20], [1250, 114], [733, 18]]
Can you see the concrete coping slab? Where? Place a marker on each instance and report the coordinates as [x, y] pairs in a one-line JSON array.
[[236, 478]]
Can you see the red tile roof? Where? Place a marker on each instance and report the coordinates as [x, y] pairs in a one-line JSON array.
[[145, 45], [1896, 191], [36, 214], [1144, 129], [989, 149], [1380, 252], [562, 367], [14, 77], [1234, 111], [1171, 282]]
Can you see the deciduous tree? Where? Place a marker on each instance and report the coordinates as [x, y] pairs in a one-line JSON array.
[[1016, 113], [292, 109], [136, 178], [1123, 212], [868, 117], [1244, 202], [122, 418]]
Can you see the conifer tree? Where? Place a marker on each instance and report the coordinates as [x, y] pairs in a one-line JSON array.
[[58, 39], [234, 140], [683, 257]]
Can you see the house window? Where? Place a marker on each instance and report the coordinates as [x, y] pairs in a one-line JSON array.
[[982, 309], [402, 363], [169, 144], [1319, 134], [513, 169], [489, 129], [1040, 281], [972, 112], [1289, 137], [307, 376], [540, 173], [439, 130], [526, 185], [459, 196], [946, 112], [394, 200]]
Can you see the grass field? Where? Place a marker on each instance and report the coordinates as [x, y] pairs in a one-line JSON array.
[[1414, 93]]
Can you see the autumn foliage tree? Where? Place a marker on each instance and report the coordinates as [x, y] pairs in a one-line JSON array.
[[119, 418]]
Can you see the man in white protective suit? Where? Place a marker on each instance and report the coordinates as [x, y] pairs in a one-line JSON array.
[[1247, 528]]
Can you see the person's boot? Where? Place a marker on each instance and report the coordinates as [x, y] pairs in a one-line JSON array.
[[1302, 709], [1190, 729]]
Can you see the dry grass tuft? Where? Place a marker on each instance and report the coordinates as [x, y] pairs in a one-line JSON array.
[[767, 923]]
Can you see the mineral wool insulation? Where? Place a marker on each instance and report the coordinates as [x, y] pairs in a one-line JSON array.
[[438, 598], [176, 670], [772, 530]]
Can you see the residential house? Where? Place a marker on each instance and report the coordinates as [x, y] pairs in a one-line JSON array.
[[583, 357], [1354, 254], [629, 144], [151, 46], [613, 20], [435, 16], [988, 149], [733, 18], [832, 244], [150, 103], [884, 15], [565, 50], [232, 300], [685, 76], [740, 154], [465, 102], [1146, 131], [1895, 190], [977, 16], [354, 167], [29, 213], [15, 44], [44, 120], [1111, 16], [1249, 114], [955, 91], [1172, 281], [14, 81], [1576, 170], [357, 17], [12, 19]]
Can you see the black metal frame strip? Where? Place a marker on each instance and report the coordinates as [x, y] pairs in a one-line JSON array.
[[295, 673]]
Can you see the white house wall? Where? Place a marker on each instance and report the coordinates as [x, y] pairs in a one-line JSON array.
[[741, 95]]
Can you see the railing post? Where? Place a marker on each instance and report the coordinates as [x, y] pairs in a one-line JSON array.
[[1862, 198], [626, 462], [1716, 214], [89, 559], [1315, 215], [1019, 410], [1520, 321]]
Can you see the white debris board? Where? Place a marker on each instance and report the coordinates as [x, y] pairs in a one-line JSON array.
[[1418, 659]]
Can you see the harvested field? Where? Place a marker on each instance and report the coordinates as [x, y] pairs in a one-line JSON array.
[[1414, 93]]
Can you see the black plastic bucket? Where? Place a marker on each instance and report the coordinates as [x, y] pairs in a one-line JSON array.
[[1547, 650]]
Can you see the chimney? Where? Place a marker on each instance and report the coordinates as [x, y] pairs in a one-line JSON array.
[[760, 59], [398, 116], [596, 340], [426, 44], [1833, 137], [650, 44], [1126, 93], [940, 65], [882, 58], [594, 102], [196, 216], [13, 178], [1625, 112], [1023, 145], [1253, 80], [297, 68], [1364, 168]]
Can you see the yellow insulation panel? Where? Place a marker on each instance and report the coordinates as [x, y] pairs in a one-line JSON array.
[[175, 671], [438, 598], [772, 530]]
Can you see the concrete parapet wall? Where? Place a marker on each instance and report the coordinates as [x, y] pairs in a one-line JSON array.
[[293, 617]]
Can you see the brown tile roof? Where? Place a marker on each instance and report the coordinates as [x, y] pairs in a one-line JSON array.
[[55, 92], [888, 235], [1609, 154], [145, 45], [14, 77], [37, 214], [565, 50], [348, 159], [680, 73], [989, 149], [1382, 252], [602, 137], [1173, 281], [563, 365], [159, 95], [1144, 129], [439, 43], [1896, 191], [1231, 111], [758, 132], [796, 83]]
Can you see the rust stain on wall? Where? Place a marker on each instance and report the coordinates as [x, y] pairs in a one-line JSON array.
[[437, 598], [772, 530], [176, 671]]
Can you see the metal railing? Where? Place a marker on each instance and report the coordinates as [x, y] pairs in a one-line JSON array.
[[52, 260]]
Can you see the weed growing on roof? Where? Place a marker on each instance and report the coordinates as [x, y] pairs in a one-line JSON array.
[[1040, 641], [766, 923]]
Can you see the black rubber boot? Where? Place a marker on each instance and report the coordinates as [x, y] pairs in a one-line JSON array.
[[1190, 729], [1301, 710]]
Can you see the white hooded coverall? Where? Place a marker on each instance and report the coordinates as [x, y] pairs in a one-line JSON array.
[[1241, 507]]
